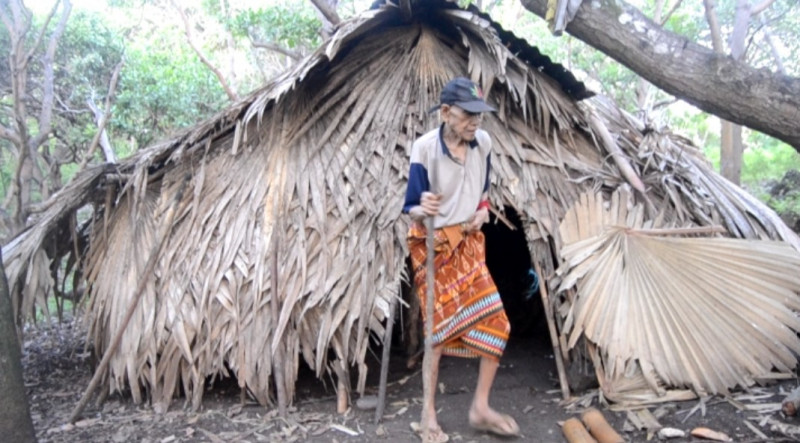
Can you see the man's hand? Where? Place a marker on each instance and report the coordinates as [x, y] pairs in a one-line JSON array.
[[477, 220], [429, 206]]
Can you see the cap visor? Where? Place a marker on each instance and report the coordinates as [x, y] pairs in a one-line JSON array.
[[475, 106], [434, 108]]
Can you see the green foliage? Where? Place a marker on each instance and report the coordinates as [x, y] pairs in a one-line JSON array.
[[698, 127], [689, 21], [84, 60], [790, 203], [285, 25], [782, 20], [7, 167], [162, 89], [124, 3], [768, 162], [90, 48]]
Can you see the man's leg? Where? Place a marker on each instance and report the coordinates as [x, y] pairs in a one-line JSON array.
[[480, 414]]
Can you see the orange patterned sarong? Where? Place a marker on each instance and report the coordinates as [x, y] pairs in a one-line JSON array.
[[468, 315]]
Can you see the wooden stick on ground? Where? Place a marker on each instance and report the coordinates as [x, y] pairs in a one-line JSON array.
[[166, 228], [387, 345], [551, 326], [341, 388]]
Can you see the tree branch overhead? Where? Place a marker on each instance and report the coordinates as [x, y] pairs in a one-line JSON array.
[[731, 90]]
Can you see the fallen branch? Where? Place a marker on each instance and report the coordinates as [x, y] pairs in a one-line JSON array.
[[148, 269]]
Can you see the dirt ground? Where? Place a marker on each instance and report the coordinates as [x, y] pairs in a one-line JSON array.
[[57, 371]]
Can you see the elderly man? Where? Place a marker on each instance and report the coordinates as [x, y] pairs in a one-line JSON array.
[[468, 320]]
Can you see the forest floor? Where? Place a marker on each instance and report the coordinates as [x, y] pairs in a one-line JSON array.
[[57, 371]]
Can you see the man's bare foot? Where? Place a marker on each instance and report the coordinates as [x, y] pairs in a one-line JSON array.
[[492, 421], [435, 433]]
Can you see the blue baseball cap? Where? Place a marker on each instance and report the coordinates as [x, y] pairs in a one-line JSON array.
[[465, 94]]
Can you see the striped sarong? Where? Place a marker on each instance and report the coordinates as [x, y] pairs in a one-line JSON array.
[[468, 315]]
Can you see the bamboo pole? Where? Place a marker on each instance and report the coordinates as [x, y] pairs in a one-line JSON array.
[[148, 269], [551, 326], [387, 345]]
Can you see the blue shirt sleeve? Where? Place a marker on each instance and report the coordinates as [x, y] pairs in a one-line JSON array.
[[417, 184]]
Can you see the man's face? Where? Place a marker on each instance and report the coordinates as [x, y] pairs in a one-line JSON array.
[[464, 124]]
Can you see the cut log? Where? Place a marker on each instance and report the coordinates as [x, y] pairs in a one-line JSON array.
[[599, 427], [574, 432], [342, 401]]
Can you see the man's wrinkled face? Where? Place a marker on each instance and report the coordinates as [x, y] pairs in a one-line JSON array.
[[462, 123]]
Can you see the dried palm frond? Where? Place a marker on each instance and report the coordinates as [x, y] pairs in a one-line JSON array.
[[709, 313]]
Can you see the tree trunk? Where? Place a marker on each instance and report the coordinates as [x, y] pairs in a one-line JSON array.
[[643, 95], [15, 418], [756, 98], [731, 150], [731, 166], [730, 140]]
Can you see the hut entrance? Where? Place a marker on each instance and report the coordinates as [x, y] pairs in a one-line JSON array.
[[509, 261]]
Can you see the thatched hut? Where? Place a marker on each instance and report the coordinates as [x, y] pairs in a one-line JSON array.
[[293, 201]]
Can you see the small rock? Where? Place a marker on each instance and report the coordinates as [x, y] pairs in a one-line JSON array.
[[665, 433], [367, 402], [123, 434]]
